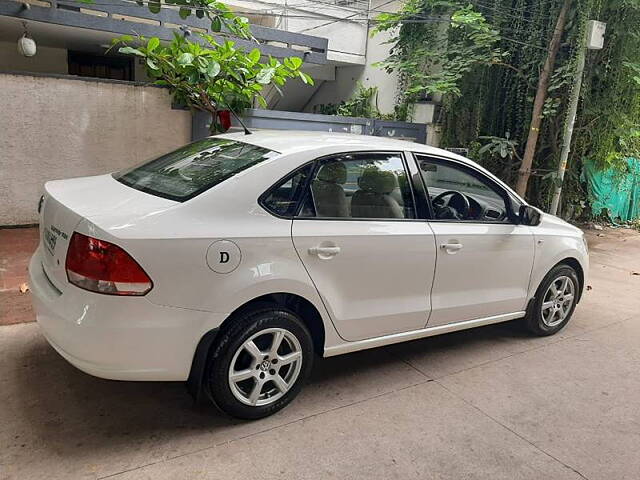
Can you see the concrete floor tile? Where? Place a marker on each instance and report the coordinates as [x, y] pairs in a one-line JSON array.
[[421, 432], [576, 399], [57, 422]]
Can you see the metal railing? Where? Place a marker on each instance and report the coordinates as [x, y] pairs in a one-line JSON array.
[[256, 118]]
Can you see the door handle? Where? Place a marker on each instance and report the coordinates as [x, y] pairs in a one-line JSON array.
[[451, 247], [324, 251]]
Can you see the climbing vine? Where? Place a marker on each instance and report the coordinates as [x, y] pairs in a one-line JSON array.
[[498, 101], [487, 103], [610, 122], [435, 44]]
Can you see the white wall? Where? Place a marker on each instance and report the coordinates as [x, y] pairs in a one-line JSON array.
[[52, 128], [347, 39], [347, 78], [46, 60]]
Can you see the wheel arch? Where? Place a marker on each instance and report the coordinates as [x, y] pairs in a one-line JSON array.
[[306, 310], [299, 305], [575, 264]]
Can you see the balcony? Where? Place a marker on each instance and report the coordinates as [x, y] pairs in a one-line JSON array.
[[119, 17]]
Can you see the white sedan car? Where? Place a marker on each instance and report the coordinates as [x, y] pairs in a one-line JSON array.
[[230, 262]]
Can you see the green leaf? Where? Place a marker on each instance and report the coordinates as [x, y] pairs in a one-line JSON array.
[[262, 101], [265, 75], [254, 56], [154, 6], [216, 24], [295, 61], [219, 6], [192, 77], [131, 51], [185, 59], [503, 150], [151, 64], [154, 42], [306, 78], [484, 148], [184, 12], [213, 69]]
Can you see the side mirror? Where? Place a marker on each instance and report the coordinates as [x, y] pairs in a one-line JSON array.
[[528, 215]]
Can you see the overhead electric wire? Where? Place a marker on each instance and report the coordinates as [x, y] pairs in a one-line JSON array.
[[418, 18], [134, 4], [319, 16], [502, 13], [270, 11], [512, 9]]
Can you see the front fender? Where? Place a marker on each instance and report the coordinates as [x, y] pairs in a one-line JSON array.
[[552, 250]]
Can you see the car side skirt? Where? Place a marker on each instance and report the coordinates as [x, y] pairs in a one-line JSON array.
[[416, 334]]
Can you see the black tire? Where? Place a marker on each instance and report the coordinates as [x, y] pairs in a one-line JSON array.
[[230, 341], [534, 320]]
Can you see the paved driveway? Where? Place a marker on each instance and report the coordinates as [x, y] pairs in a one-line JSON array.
[[488, 403]]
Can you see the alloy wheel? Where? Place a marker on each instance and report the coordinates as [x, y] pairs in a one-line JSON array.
[[558, 301], [265, 367]]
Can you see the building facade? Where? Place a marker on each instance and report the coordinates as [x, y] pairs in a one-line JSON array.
[[72, 110]]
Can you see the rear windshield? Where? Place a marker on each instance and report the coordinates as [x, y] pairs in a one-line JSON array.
[[194, 168]]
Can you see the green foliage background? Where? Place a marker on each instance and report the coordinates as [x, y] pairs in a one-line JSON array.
[[492, 95]]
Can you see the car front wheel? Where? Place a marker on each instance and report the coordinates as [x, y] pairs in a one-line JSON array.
[[260, 363], [555, 301]]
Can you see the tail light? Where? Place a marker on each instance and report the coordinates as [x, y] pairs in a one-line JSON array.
[[103, 267]]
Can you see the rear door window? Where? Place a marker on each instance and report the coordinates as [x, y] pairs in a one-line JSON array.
[[360, 186], [194, 168], [282, 199]]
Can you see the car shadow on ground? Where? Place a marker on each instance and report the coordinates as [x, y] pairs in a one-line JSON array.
[[69, 410]]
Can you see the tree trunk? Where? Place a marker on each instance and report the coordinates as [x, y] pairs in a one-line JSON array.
[[538, 104]]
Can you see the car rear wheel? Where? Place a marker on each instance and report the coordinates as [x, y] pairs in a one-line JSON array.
[[554, 302], [260, 363]]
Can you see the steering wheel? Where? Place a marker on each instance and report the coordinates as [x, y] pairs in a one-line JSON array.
[[445, 210]]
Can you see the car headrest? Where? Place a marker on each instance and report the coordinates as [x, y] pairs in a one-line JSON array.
[[377, 181], [333, 172]]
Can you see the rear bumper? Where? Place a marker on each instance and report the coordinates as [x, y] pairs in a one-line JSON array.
[[119, 338]]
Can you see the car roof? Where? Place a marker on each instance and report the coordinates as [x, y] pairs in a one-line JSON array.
[[290, 141]]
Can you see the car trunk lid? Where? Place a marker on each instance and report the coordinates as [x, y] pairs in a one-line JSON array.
[[101, 200]]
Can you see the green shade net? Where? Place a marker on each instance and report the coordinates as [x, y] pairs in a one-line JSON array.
[[615, 191]]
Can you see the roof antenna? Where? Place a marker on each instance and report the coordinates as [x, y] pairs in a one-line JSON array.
[[246, 130]]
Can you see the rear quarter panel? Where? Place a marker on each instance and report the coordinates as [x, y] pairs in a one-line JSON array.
[[172, 247]]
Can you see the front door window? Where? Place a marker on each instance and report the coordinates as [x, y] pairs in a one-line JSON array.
[[457, 194]]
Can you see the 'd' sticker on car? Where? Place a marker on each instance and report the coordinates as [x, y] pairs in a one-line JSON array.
[[223, 256]]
